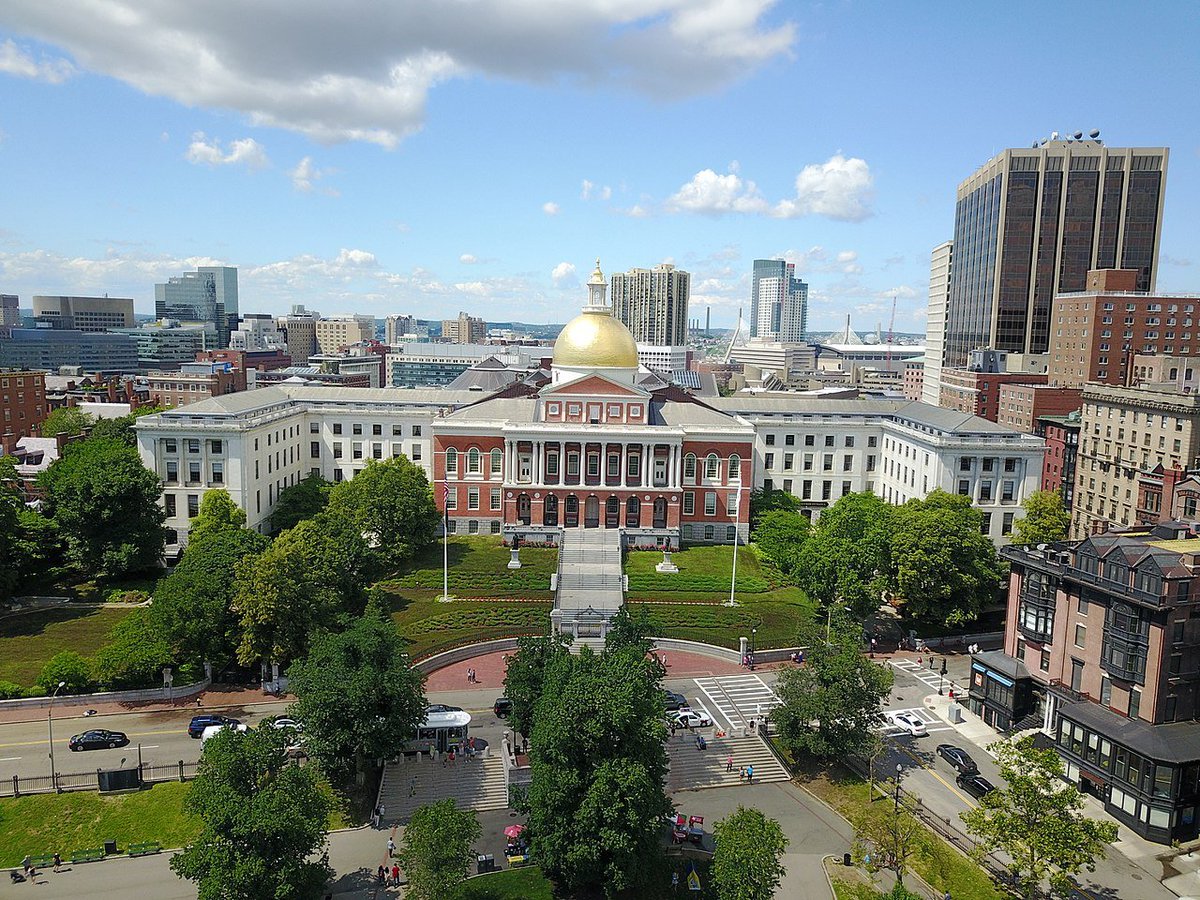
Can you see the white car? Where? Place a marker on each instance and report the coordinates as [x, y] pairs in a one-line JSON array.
[[689, 718], [286, 723], [906, 722], [213, 729]]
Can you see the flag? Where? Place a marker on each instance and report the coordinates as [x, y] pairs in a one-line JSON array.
[[693, 879]]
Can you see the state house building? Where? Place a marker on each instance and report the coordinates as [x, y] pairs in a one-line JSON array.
[[593, 442]]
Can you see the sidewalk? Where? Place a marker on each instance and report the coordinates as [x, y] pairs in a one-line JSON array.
[[214, 697]]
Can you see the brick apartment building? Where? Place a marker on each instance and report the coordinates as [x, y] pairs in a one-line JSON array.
[[22, 402], [1061, 434], [195, 382], [1021, 405], [978, 393]]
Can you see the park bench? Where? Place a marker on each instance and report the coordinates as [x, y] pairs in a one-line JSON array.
[[45, 861], [144, 849], [92, 855]]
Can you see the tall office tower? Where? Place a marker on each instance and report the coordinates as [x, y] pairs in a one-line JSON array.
[[395, 327], [300, 332], [1029, 224], [653, 304], [778, 302], [464, 330], [935, 321], [93, 314], [210, 294], [10, 313]]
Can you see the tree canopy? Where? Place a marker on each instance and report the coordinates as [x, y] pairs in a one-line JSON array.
[[69, 420], [1045, 520], [262, 819], [390, 501], [526, 674], [135, 655], [747, 862], [848, 555], [217, 511], [834, 702], [438, 848], [764, 500], [69, 667], [357, 694], [302, 500], [11, 553], [105, 504], [121, 428], [1038, 820], [781, 535]]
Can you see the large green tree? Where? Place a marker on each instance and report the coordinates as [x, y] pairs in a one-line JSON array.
[[765, 500], [781, 535], [67, 667], [392, 504], [357, 694], [747, 863], [944, 567], [193, 605], [526, 674], [105, 504], [1038, 820], [596, 802], [834, 702], [70, 420], [1045, 520], [847, 558], [438, 848], [306, 579], [12, 553], [217, 512], [887, 836], [136, 653], [122, 427], [263, 819], [302, 500]]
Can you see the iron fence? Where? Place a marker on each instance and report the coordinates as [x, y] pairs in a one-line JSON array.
[[19, 785]]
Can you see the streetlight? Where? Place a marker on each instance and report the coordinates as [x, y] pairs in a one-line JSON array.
[[50, 733], [941, 676], [899, 769], [753, 633]]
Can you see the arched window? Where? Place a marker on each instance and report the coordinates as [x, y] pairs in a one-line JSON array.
[[451, 461], [735, 468], [731, 534], [712, 467], [689, 466], [550, 511], [497, 461], [473, 461], [633, 513]]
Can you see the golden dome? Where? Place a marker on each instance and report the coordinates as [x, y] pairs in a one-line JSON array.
[[595, 338]]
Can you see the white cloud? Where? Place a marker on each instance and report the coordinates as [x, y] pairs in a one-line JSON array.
[[590, 189], [16, 61], [306, 175], [468, 258], [563, 274], [839, 188], [550, 208], [714, 194], [637, 211], [244, 151], [847, 256], [355, 258], [365, 73]]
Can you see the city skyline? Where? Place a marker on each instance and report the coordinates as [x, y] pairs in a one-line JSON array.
[[487, 178]]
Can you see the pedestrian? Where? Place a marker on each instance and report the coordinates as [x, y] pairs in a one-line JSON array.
[[412, 786], [800, 658], [382, 812], [197, 702], [742, 774], [873, 645], [471, 744], [395, 874], [57, 860], [749, 774], [664, 660], [452, 757], [381, 873], [729, 763], [27, 865], [751, 724], [391, 845], [672, 728], [375, 817]]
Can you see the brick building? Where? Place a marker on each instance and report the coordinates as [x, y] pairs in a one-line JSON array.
[[978, 393], [1021, 405], [22, 402], [1061, 434], [195, 382]]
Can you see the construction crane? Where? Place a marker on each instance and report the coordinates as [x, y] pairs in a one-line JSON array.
[[891, 338]]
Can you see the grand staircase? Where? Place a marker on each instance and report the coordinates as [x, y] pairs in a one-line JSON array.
[[589, 586], [694, 769], [478, 784]]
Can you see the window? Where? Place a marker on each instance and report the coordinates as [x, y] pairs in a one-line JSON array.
[[1007, 523], [169, 445], [473, 498], [769, 460], [218, 473], [169, 500], [614, 465], [377, 450], [495, 501], [215, 446], [337, 453], [551, 463], [452, 498], [314, 449], [172, 471], [193, 473], [826, 490], [789, 460], [689, 466], [710, 504], [193, 445], [473, 527], [397, 431], [473, 461], [1135, 702], [357, 452], [847, 462], [735, 468], [790, 440], [376, 430], [1080, 635], [498, 462], [731, 505], [827, 462], [593, 465], [1076, 674], [829, 440], [193, 502], [689, 503], [416, 431], [337, 427], [849, 440], [712, 467], [358, 428], [451, 461], [415, 454], [770, 440], [573, 463]]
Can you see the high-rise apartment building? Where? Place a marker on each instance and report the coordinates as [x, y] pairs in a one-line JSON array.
[[210, 294], [1031, 223], [396, 327], [464, 330], [300, 332], [258, 331], [338, 332], [653, 304], [778, 302], [93, 314], [10, 312], [935, 321]]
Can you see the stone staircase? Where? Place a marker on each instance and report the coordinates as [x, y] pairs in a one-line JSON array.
[[693, 769], [589, 585], [479, 784]]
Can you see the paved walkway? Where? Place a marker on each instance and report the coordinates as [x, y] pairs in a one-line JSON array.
[[417, 780], [215, 697], [694, 769]]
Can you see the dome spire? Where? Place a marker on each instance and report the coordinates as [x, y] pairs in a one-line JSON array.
[[597, 301]]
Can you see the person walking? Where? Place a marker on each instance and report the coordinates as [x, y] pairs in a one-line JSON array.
[[729, 763], [391, 845], [412, 786], [57, 860], [749, 774], [27, 865], [395, 874], [381, 873], [742, 774]]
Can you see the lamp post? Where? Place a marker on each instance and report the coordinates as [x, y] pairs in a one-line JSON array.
[[941, 676], [899, 769], [753, 633], [50, 733]]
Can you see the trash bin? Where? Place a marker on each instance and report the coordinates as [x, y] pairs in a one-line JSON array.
[[846, 860], [110, 847]]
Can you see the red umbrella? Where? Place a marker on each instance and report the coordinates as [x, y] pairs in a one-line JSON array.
[[513, 831]]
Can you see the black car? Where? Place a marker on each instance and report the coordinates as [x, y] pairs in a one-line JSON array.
[[959, 758], [975, 785], [673, 701], [98, 740], [502, 707], [199, 723]]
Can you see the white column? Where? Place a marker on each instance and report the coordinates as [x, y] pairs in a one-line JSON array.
[[624, 481], [537, 462], [510, 460]]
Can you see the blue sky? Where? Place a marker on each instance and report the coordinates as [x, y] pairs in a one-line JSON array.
[[423, 158]]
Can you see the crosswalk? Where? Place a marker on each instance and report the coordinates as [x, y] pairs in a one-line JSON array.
[[737, 699], [932, 723], [931, 678]]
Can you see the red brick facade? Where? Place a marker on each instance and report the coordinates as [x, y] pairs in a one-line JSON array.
[[22, 403]]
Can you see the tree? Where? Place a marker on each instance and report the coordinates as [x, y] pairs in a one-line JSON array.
[[67, 666], [121, 428], [69, 420], [886, 837], [848, 556], [781, 535], [596, 801], [193, 606], [303, 500], [306, 579], [390, 502], [105, 504], [765, 500], [39, 545], [11, 551], [526, 673], [944, 567], [747, 861], [834, 702], [1045, 521], [263, 818], [437, 849], [357, 694], [136, 653], [1037, 820], [217, 511]]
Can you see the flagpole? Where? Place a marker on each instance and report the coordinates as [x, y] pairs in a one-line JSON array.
[[737, 515], [445, 542]]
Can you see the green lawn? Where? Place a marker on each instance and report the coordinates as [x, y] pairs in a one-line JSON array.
[[512, 884], [479, 568], [431, 627], [701, 569], [27, 641]]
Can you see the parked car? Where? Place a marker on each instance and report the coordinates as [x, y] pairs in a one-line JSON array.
[[975, 785], [502, 707], [959, 758], [906, 722], [216, 729], [285, 723], [673, 701], [689, 718], [98, 740], [199, 723]]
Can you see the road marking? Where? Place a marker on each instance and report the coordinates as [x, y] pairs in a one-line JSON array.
[[130, 734], [932, 771], [149, 746], [9, 759]]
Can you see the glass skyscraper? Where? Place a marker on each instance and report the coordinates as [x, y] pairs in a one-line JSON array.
[[210, 294], [778, 302], [1030, 223]]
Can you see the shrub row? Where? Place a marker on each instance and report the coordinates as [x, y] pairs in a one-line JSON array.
[[642, 582], [517, 615], [508, 580]]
